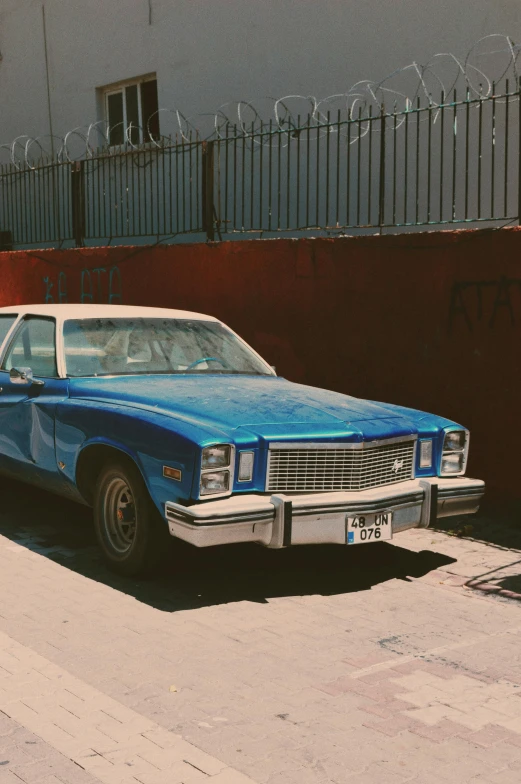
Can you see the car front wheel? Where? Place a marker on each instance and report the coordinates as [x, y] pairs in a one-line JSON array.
[[128, 527]]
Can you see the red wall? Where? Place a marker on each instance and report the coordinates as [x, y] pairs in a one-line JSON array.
[[425, 320]]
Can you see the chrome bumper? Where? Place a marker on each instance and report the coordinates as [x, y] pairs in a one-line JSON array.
[[320, 518]]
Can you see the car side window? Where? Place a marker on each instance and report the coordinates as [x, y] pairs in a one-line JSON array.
[[34, 346], [6, 322]]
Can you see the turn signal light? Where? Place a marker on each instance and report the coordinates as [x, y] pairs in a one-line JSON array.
[[172, 473], [425, 454], [246, 466]]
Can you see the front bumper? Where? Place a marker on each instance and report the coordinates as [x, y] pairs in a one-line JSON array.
[[320, 518]]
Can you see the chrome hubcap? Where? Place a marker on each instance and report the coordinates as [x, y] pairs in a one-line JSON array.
[[120, 516]]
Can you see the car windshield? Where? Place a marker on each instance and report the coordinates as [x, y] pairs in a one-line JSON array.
[[123, 346]]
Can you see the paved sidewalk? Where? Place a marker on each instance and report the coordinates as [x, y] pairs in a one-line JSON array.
[[501, 566], [93, 731], [320, 665]]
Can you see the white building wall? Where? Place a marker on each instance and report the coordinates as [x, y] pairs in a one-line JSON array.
[[207, 53]]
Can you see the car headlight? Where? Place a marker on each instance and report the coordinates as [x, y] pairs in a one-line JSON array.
[[454, 441], [215, 482], [455, 450], [452, 463], [216, 457]]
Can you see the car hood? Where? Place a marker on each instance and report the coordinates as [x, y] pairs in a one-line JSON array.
[[267, 406]]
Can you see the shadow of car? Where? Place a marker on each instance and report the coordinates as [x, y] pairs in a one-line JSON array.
[[62, 531]]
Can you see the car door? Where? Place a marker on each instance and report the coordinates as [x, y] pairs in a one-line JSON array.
[[28, 405]]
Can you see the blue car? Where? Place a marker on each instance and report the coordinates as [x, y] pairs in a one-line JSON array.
[[169, 425]]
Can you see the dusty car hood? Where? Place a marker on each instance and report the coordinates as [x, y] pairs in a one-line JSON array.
[[265, 405]]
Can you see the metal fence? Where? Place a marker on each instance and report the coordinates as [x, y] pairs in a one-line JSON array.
[[456, 162]]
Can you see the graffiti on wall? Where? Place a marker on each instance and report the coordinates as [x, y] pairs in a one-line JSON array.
[[485, 301], [96, 286]]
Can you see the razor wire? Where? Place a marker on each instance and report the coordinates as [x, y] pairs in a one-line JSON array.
[[489, 65]]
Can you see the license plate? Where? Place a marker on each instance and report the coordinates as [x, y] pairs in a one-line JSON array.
[[369, 528]]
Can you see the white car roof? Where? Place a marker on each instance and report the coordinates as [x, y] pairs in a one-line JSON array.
[[63, 312]]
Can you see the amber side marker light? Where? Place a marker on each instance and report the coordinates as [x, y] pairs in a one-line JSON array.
[[172, 473]]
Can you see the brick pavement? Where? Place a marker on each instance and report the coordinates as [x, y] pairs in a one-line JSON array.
[[317, 665], [96, 733]]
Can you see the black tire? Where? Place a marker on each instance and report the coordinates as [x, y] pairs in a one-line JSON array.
[[132, 536]]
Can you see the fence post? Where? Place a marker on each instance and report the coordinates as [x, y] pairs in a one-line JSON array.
[[6, 240], [78, 202], [207, 190], [518, 152], [381, 202]]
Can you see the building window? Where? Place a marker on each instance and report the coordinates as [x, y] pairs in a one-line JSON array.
[[131, 111]]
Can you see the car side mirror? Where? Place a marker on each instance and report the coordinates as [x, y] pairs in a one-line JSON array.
[[23, 375]]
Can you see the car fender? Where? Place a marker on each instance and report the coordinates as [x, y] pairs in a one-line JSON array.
[[151, 440]]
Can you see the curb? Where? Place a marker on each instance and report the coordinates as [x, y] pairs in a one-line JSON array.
[[494, 589]]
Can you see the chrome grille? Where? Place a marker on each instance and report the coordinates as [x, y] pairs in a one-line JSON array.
[[328, 467]]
